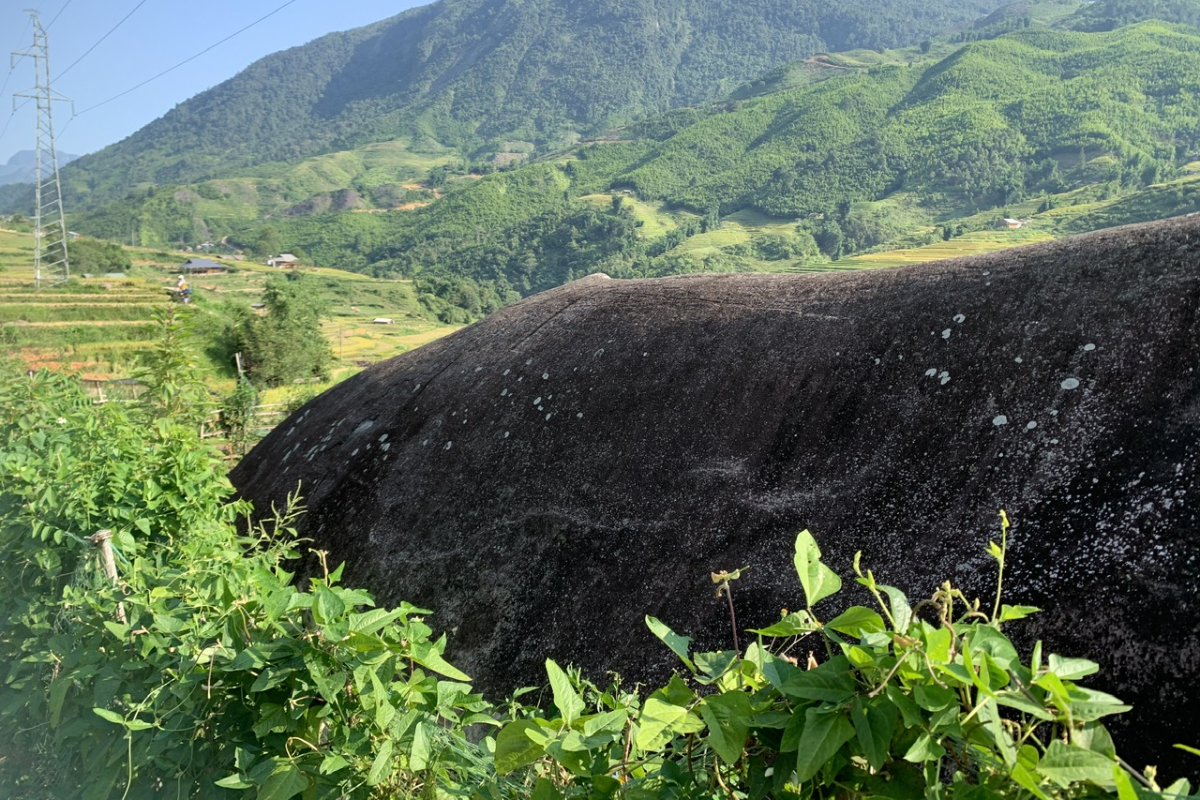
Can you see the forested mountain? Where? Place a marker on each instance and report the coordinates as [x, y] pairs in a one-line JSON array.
[[494, 74], [1106, 15], [843, 153], [855, 160]]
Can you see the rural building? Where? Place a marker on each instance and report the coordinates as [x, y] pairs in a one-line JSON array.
[[382, 321], [202, 266], [283, 260], [1012, 224]]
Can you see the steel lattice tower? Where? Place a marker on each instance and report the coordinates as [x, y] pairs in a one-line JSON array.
[[50, 263]]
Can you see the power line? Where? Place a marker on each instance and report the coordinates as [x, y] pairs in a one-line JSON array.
[[12, 67], [13, 114], [185, 61], [102, 38], [59, 14]]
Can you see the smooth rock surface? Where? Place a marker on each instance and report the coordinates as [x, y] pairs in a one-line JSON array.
[[547, 477]]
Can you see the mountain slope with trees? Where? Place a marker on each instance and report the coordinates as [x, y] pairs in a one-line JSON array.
[[855, 161], [477, 74]]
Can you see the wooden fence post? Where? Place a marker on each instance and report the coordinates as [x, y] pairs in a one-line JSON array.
[[103, 540]]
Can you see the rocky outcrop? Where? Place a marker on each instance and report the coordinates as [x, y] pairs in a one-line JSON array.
[[545, 478]]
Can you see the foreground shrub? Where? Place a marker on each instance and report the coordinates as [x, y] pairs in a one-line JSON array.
[[927, 701], [201, 671]]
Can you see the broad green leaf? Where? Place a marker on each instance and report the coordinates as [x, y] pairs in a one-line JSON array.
[[793, 624], [111, 716], [608, 722], [714, 665], [824, 734], [286, 781], [373, 620], [545, 789], [234, 781], [986, 639], [571, 752], [1057, 689], [937, 645], [661, 721], [250, 658], [138, 724], [728, 718], [1124, 784], [58, 694], [1095, 737], [168, 624], [333, 763], [1010, 613], [382, 765], [429, 657], [1065, 764], [679, 644], [989, 715], [1087, 705], [901, 610], [818, 580], [875, 723], [776, 670], [771, 719], [514, 748], [792, 730], [909, 709], [998, 676], [924, 749], [327, 606], [422, 745], [1070, 669], [1019, 701], [569, 704], [932, 697], [832, 682], [1027, 780], [856, 621], [676, 691], [1179, 790], [117, 629]]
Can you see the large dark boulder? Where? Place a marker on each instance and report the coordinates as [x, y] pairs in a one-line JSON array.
[[545, 478]]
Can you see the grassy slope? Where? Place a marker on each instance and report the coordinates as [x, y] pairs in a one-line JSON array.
[[96, 326]]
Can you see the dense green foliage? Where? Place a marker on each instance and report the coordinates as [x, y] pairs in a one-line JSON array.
[[928, 701], [91, 255], [1105, 15], [1031, 113], [994, 122], [491, 74], [286, 344], [200, 669], [191, 665]]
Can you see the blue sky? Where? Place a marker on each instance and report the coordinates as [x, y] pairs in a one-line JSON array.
[[157, 35]]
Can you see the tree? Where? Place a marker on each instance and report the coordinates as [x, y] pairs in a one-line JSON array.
[[287, 344], [267, 243], [92, 255]]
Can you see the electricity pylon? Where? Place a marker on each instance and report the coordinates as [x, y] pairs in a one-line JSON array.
[[50, 263]]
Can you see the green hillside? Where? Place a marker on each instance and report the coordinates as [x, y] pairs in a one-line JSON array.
[[873, 157], [493, 77], [851, 153]]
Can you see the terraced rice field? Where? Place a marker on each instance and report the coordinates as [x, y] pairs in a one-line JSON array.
[[96, 326]]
